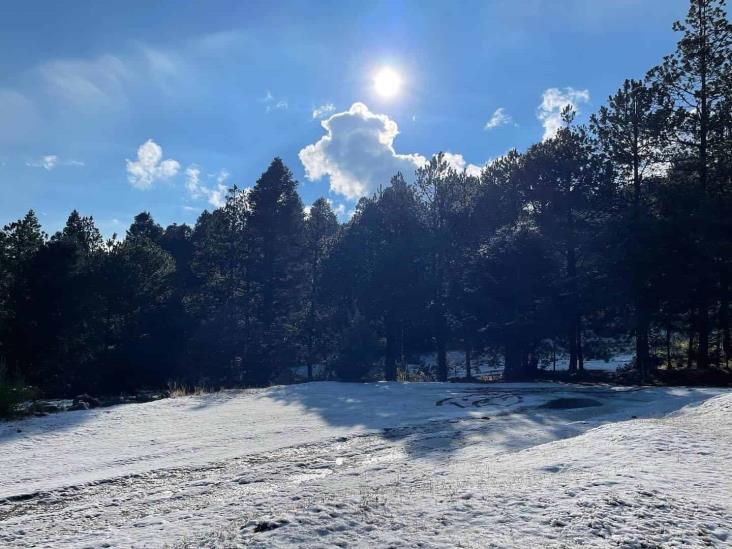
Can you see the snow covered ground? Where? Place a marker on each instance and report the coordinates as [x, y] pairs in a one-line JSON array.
[[376, 465]]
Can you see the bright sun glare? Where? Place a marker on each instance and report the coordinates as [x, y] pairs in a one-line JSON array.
[[387, 83]]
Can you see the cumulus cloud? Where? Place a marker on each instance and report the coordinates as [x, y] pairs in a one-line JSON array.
[[499, 118], [552, 103], [50, 161], [215, 194], [457, 162], [149, 166], [357, 153], [323, 110]]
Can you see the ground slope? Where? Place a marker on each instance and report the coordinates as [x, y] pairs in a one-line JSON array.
[[386, 464]]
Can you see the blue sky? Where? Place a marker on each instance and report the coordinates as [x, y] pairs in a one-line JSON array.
[[117, 107]]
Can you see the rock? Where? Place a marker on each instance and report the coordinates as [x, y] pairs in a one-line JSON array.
[[49, 408], [78, 405], [570, 403], [90, 401], [267, 525]]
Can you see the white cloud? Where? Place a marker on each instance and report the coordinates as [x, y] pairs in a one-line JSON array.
[[323, 110], [19, 117], [47, 162], [149, 166], [552, 103], [50, 161], [357, 153], [215, 194], [107, 81], [499, 118], [193, 182], [274, 104], [339, 210], [458, 163], [97, 82]]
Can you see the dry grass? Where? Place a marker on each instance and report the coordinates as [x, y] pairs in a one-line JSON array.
[[177, 389]]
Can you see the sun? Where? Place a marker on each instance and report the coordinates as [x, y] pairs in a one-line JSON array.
[[387, 83]]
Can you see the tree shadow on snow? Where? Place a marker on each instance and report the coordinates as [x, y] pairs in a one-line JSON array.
[[31, 427], [434, 420]]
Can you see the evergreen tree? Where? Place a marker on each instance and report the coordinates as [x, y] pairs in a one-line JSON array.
[[447, 196], [696, 79], [139, 345], [513, 278], [632, 136], [275, 234], [563, 178], [219, 300], [20, 241], [321, 227], [144, 226]]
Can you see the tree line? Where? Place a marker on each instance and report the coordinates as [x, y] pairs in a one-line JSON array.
[[619, 227]]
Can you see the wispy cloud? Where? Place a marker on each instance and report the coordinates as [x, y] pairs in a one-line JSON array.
[[271, 103], [214, 193], [47, 162], [323, 110], [97, 82], [499, 118], [149, 166], [50, 161], [553, 101], [339, 209], [19, 117]]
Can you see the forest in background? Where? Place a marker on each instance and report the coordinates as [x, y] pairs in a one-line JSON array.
[[617, 228]]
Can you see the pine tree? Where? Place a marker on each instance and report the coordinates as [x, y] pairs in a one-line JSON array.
[[514, 275], [563, 178], [20, 241], [219, 300], [632, 136], [696, 79], [275, 233], [321, 227]]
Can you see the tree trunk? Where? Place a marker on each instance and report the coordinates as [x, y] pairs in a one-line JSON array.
[[572, 316], [703, 351], [690, 349], [310, 353], [513, 370], [642, 355], [468, 373], [441, 356], [724, 327], [668, 347], [390, 372], [532, 365], [580, 350]]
